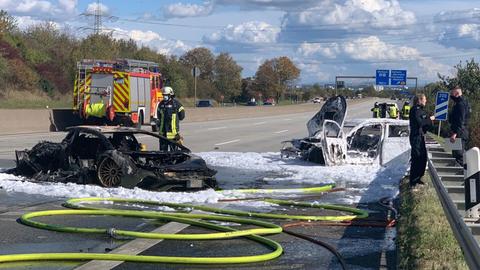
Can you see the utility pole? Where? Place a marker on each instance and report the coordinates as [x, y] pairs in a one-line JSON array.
[[195, 72]]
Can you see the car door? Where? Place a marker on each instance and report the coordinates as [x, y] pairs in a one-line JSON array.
[[334, 109], [334, 144], [396, 142]]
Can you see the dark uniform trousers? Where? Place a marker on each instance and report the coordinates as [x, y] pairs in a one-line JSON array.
[[418, 158]]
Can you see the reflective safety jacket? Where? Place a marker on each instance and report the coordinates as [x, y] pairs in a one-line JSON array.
[[406, 112], [393, 112], [376, 112], [169, 114], [97, 109]]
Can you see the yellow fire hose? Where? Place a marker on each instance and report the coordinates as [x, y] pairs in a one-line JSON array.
[[223, 232]]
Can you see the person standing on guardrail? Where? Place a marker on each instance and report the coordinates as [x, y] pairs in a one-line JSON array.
[[420, 122], [458, 118]]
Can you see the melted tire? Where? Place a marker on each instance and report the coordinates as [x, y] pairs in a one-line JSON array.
[[109, 174]]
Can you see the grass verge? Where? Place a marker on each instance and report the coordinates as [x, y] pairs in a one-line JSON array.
[[425, 239], [33, 100]]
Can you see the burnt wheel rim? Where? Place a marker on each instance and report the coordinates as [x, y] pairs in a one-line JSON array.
[[109, 173]]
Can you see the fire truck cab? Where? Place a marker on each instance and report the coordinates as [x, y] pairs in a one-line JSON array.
[[124, 91]]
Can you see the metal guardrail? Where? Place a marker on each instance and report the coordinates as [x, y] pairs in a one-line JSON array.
[[463, 234]]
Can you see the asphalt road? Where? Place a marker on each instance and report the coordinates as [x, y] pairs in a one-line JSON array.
[[255, 134]]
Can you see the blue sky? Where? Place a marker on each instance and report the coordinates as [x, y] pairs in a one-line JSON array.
[[325, 38]]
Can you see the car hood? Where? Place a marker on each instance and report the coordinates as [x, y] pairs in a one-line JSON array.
[[335, 109]]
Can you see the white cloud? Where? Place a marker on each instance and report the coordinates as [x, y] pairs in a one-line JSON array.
[[92, 7], [341, 18], [181, 10], [372, 49], [153, 40], [252, 33], [26, 21], [315, 70], [40, 9], [354, 14], [459, 28], [309, 49], [469, 30], [27, 6], [277, 4], [68, 5]]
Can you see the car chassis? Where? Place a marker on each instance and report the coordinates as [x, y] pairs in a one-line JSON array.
[[111, 157], [332, 141]]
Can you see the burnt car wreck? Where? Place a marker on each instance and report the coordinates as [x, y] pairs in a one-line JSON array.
[[333, 141], [112, 157]]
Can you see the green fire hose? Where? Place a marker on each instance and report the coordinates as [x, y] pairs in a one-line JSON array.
[[199, 220]]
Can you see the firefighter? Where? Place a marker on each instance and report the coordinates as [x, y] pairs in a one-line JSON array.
[[170, 112], [420, 122], [406, 110], [376, 110], [393, 111]]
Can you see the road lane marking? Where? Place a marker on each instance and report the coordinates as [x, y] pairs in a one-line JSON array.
[[216, 128], [281, 131], [223, 143], [287, 119], [259, 123]]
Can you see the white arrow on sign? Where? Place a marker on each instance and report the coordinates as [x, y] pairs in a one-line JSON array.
[[196, 72]]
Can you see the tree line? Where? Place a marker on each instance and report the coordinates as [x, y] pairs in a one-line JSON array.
[[41, 60]]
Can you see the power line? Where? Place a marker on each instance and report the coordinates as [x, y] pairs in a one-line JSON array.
[[298, 28]]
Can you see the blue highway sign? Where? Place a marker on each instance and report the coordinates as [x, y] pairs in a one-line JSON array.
[[398, 77], [441, 106], [382, 77]]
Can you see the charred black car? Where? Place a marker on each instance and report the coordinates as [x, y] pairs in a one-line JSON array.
[[113, 156]]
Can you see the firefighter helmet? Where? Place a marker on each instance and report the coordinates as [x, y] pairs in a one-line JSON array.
[[167, 90]]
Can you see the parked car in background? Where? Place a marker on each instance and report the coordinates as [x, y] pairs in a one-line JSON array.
[[269, 102], [252, 102], [317, 100], [205, 103]]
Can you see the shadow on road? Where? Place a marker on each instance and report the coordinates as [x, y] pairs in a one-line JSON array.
[[374, 247]]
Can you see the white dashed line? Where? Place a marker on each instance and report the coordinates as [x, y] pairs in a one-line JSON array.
[[216, 128], [287, 119], [223, 143], [281, 131], [259, 123]]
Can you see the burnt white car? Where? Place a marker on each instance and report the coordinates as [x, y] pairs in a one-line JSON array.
[[333, 141]]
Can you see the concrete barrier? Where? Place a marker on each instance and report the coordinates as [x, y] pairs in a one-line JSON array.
[[24, 121]]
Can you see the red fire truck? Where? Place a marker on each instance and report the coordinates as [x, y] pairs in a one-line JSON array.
[[120, 92]]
